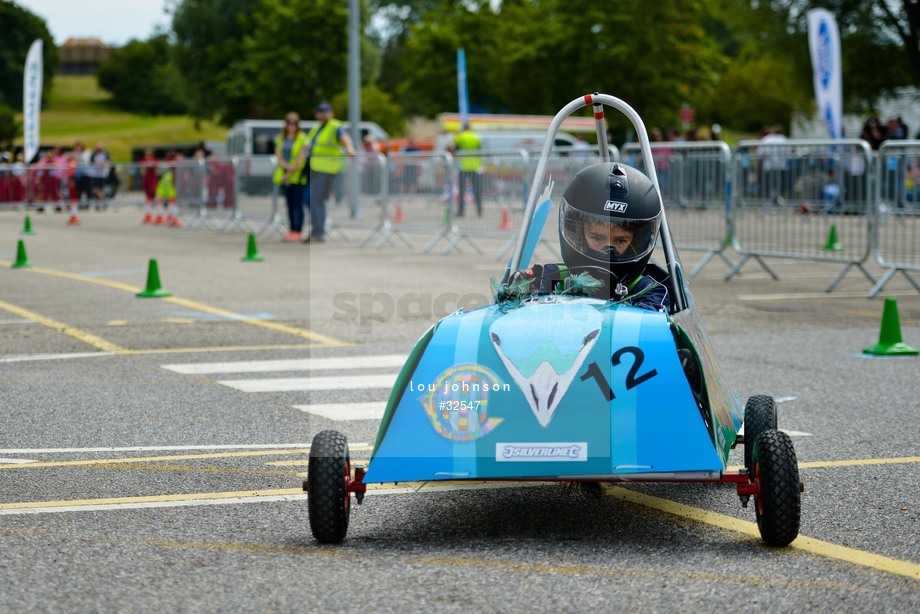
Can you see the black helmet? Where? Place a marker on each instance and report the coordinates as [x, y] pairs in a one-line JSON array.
[[609, 220]]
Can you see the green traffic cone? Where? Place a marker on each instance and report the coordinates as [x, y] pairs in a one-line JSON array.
[[833, 244], [21, 259], [889, 338], [154, 290], [27, 227], [252, 252]]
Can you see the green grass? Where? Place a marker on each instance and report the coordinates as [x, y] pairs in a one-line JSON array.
[[78, 110]]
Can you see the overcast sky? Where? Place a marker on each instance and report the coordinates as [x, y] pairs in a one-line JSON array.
[[114, 21]]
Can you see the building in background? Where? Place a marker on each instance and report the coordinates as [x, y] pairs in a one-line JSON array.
[[82, 56]]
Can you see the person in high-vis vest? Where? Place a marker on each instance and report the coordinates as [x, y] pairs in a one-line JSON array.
[[165, 196], [290, 160], [325, 143], [465, 144]]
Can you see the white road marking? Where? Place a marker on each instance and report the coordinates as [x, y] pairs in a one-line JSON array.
[[27, 358], [346, 411], [17, 461], [784, 399], [787, 431], [257, 446], [346, 382], [303, 364]]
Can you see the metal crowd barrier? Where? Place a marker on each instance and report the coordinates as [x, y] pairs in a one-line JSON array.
[[204, 188], [804, 200], [46, 186], [818, 200], [420, 187], [561, 166], [382, 178], [487, 202], [897, 247], [365, 211], [14, 186], [695, 179]]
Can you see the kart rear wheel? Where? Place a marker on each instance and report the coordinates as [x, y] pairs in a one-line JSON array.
[[328, 499], [778, 504], [759, 416]]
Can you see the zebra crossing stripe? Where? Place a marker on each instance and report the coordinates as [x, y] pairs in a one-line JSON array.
[[289, 384], [346, 411], [300, 364]]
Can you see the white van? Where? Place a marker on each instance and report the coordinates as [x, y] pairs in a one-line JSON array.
[[254, 139]]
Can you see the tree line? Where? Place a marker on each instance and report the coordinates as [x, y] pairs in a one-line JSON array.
[[741, 63]]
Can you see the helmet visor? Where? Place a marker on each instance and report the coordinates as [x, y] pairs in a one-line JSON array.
[[608, 240]]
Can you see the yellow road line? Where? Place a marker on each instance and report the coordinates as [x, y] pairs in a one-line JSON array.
[[195, 468], [291, 330], [743, 580], [229, 348], [201, 496], [857, 462], [805, 544], [346, 554], [174, 457], [150, 459], [402, 488], [729, 523], [368, 448], [802, 543], [76, 333], [860, 462], [284, 328]]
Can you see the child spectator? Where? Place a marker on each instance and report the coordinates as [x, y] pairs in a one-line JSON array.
[[148, 169], [608, 227]]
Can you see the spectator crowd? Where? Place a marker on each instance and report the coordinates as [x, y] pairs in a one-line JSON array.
[[81, 178]]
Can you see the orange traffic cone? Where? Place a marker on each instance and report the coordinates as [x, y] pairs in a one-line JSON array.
[[505, 224], [398, 217]]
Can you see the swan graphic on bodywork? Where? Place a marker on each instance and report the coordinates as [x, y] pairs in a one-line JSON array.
[[541, 354]]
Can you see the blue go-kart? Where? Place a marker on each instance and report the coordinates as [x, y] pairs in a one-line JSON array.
[[563, 387]]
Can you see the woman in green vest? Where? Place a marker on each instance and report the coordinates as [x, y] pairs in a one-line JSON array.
[[289, 153]]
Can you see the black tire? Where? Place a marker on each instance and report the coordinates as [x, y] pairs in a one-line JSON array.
[[779, 504], [328, 499], [759, 416]]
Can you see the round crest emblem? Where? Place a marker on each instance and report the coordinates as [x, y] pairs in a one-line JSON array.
[[457, 403]]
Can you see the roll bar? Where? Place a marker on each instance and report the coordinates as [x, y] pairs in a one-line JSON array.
[[598, 101]]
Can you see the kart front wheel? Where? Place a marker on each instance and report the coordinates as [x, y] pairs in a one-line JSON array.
[[778, 502], [328, 499], [759, 416]]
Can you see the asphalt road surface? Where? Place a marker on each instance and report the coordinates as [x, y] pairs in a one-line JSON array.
[[152, 449]]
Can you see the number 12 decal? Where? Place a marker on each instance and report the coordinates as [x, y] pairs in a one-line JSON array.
[[632, 379]]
